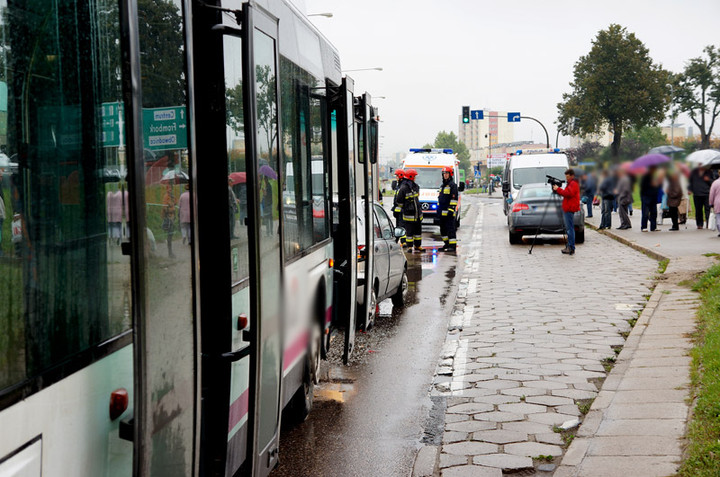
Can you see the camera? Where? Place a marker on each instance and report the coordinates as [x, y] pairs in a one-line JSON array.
[[554, 181]]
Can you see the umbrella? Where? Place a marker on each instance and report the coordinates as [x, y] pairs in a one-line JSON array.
[[627, 166], [268, 172], [714, 163], [649, 160], [238, 178], [178, 177], [701, 158], [667, 149], [683, 168]]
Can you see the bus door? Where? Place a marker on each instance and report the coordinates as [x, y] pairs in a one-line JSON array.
[[261, 98], [344, 212], [365, 186], [235, 73]]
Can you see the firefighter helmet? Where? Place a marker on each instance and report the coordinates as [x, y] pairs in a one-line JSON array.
[[400, 174], [448, 169], [410, 174]]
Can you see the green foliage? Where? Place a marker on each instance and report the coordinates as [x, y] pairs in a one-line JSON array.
[[617, 85], [586, 150], [703, 452], [161, 55], [696, 91], [647, 136]]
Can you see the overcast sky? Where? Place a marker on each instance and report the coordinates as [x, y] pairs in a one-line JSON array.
[[508, 56]]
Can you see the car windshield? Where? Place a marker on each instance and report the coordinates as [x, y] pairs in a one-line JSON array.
[[528, 175], [428, 177], [535, 192]]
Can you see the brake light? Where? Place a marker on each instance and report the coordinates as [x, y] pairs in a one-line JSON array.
[[118, 403], [361, 253], [519, 206]]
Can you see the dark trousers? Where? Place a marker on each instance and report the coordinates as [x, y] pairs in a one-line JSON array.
[[702, 209], [448, 231], [413, 233], [674, 217], [606, 210], [624, 217], [589, 206], [649, 212]]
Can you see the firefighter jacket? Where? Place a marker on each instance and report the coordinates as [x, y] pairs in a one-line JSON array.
[[448, 199], [397, 208], [408, 202]]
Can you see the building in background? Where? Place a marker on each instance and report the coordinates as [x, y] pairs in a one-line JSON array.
[[605, 139], [478, 134]]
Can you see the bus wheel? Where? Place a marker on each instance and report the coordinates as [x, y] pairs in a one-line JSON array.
[[371, 311], [302, 401], [315, 352]]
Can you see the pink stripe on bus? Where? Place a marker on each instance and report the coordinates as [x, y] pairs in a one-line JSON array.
[[294, 350], [328, 315], [238, 410]]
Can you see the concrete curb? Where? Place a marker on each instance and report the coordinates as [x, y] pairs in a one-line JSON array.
[[647, 251]]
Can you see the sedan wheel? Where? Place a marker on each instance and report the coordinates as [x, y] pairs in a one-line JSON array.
[[399, 299]]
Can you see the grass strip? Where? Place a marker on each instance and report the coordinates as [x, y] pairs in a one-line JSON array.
[[703, 453]]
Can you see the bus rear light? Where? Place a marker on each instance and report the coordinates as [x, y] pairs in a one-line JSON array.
[[242, 321], [519, 206], [118, 403], [331, 263]]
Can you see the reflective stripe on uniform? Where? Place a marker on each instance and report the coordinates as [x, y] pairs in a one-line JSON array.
[[453, 202], [453, 241], [409, 218]]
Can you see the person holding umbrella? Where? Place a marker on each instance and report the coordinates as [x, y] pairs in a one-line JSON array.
[[649, 191]]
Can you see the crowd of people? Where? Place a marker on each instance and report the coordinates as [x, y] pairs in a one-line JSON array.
[[659, 187]]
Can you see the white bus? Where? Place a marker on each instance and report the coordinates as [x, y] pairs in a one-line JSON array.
[[175, 351]]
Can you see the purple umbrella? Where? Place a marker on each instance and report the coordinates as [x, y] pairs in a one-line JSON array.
[[268, 172], [649, 160]]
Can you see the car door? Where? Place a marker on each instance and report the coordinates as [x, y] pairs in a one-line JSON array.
[[382, 260], [396, 257]]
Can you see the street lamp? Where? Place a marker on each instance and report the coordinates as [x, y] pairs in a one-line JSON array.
[[377, 68], [326, 15]]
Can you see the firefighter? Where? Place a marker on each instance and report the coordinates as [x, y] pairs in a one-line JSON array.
[[408, 197], [397, 207], [447, 207]]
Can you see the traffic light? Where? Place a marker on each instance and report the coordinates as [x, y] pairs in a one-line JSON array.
[[466, 114]]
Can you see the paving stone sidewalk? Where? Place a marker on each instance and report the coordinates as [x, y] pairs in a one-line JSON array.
[[526, 344]]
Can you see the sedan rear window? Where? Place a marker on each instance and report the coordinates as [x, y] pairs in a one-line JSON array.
[[533, 192], [529, 175]]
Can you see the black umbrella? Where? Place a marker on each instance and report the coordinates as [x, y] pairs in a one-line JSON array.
[[667, 149]]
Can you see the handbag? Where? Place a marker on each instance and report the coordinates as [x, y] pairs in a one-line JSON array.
[[712, 221], [596, 200]]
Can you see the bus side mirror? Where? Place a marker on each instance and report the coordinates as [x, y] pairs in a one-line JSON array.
[[506, 187], [393, 185], [461, 186]]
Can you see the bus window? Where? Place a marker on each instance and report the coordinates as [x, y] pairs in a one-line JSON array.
[[64, 283], [319, 171]]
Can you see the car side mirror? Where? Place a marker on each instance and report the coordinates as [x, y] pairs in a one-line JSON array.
[[461, 187], [399, 232], [393, 185]]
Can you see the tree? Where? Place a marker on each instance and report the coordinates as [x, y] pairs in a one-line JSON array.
[[696, 91], [647, 136], [617, 85], [585, 150], [449, 140]]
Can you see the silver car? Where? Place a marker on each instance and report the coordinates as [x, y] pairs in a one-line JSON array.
[[537, 209], [389, 266]]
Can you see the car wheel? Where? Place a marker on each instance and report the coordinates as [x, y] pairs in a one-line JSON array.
[[371, 311], [399, 299], [580, 236], [515, 238]]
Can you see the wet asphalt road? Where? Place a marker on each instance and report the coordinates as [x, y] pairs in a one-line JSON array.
[[369, 418]]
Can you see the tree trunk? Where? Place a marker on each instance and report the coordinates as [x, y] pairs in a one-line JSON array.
[[705, 141], [615, 146]]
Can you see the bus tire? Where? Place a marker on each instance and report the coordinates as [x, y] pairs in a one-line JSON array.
[[302, 401]]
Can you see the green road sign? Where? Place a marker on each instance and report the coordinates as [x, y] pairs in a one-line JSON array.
[[165, 128], [111, 114]]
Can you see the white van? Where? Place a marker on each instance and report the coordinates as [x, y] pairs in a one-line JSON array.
[[429, 163], [531, 167]]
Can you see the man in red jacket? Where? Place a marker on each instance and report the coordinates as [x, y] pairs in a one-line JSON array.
[[570, 205]]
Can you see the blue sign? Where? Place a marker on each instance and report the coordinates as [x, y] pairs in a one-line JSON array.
[[477, 114], [513, 117]]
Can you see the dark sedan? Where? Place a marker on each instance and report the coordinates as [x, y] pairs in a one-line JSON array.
[[537, 209]]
